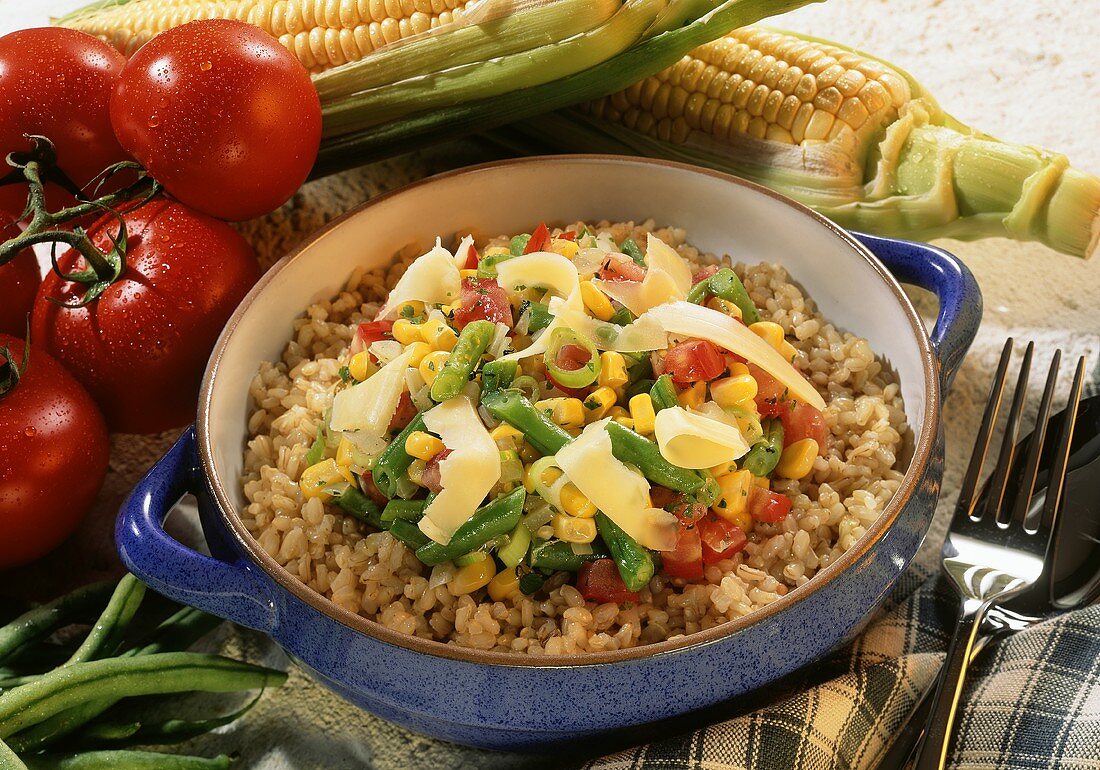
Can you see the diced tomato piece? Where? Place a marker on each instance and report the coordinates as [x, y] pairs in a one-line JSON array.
[[580, 393], [371, 490], [804, 421], [471, 258], [703, 274], [720, 539], [767, 506], [619, 267], [404, 414], [685, 560], [568, 235], [483, 300], [374, 331], [772, 397], [430, 478], [572, 357], [600, 581], [539, 241], [693, 361]]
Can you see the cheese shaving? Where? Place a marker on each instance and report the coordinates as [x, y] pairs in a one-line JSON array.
[[366, 409], [432, 278], [660, 256], [466, 475], [540, 269], [655, 289], [695, 440]]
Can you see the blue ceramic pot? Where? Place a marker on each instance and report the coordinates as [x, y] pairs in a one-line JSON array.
[[519, 702]]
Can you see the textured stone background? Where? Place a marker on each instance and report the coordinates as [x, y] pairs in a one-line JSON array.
[[1022, 70]]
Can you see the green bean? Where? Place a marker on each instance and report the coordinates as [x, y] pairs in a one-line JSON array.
[[128, 760], [513, 408], [632, 250], [356, 504], [162, 673], [43, 621], [497, 375], [493, 519], [52, 730], [538, 316], [409, 510], [558, 555], [663, 393], [622, 317], [130, 733], [9, 760], [726, 285], [530, 583], [109, 629], [698, 292], [634, 562], [637, 450], [394, 461], [458, 367], [518, 244], [409, 534], [765, 453], [177, 632], [709, 493]]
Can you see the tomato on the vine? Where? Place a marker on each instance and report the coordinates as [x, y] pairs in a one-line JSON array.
[[141, 347], [220, 114], [53, 454], [57, 83], [19, 281]]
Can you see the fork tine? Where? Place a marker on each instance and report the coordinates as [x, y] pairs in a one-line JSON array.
[[969, 488], [999, 482], [1056, 484], [1035, 448]]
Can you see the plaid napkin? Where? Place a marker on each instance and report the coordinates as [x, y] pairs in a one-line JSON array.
[[1033, 699]]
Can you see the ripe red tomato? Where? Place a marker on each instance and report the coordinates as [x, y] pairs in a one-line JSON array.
[[721, 539], [482, 299], [19, 281], [619, 267], [539, 240], [767, 506], [56, 83], [53, 456], [600, 581], [406, 411], [140, 348], [772, 397], [703, 273], [804, 421], [222, 115], [693, 361], [685, 560]]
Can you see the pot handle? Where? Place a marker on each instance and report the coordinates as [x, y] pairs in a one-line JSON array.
[[229, 590], [953, 284]]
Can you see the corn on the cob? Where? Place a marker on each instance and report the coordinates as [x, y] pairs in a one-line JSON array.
[[852, 136]]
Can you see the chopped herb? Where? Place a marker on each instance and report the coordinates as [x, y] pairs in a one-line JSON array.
[[345, 374]]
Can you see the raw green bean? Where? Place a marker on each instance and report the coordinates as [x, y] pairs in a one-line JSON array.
[[637, 450], [493, 519], [128, 760], [538, 316], [118, 735], [50, 731], [663, 393], [497, 375], [177, 632], [9, 760], [513, 408], [409, 510], [163, 673], [111, 626], [356, 504], [394, 461], [43, 621], [765, 453], [458, 367], [558, 556], [726, 285], [634, 562], [408, 533], [632, 250]]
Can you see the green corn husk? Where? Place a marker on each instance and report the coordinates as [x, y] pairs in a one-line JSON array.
[[922, 175]]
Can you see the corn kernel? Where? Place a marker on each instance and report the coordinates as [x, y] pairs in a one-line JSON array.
[[573, 530], [733, 500], [437, 334], [693, 397], [504, 586], [643, 414], [762, 481], [417, 351], [733, 391], [468, 273], [596, 301], [788, 351], [613, 369], [412, 307], [621, 416], [797, 459], [472, 577], [723, 468], [565, 412], [416, 471], [528, 453], [737, 368], [317, 478], [405, 331], [360, 366], [423, 445], [724, 306], [771, 333], [567, 249], [598, 403], [494, 251], [344, 452], [574, 503], [432, 364], [503, 431]]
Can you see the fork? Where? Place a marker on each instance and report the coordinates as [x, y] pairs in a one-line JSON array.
[[992, 552]]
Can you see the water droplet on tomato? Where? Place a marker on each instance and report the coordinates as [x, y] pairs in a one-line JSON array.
[[154, 120], [30, 431], [206, 66]]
